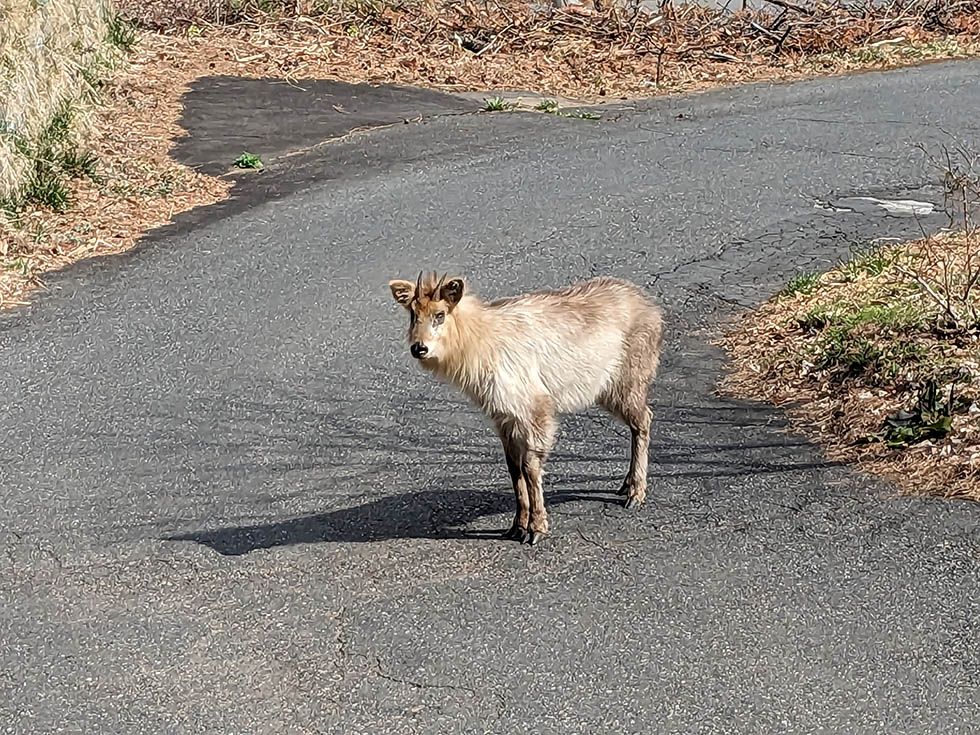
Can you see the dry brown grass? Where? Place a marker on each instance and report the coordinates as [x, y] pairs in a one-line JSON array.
[[863, 342], [47, 52], [140, 186], [452, 46]]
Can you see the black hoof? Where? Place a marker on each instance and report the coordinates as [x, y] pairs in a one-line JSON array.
[[516, 533], [633, 502], [536, 537]]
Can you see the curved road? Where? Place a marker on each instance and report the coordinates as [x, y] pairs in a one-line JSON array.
[[231, 504]]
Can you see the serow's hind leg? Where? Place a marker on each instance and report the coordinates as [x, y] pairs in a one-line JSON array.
[[635, 485], [542, 438], [631, 408]]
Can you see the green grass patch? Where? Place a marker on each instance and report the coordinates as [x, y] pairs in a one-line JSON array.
[[55, 159], [886, 53], [45, 187], [867, 262], [876, 341], [495, 104], [248, 160], [892, 315], [856, 353], [81, 164], [20, 266], [803, 285], [9, 210], [551, 107], [46, 183], [121, 33]]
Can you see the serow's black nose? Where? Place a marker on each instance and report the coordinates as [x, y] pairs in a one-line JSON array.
[[419, 350]]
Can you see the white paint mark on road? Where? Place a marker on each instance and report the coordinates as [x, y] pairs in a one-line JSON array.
[[831, 208], [898, 207]]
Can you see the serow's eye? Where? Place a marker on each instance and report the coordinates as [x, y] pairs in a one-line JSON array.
[[439, 318]]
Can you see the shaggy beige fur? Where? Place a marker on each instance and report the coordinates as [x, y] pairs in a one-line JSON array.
[[525, 359]]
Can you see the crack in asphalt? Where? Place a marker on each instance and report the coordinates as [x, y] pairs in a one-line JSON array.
[[345, 654], [416, 684], [716, 255]]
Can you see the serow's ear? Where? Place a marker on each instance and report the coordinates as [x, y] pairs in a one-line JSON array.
[[452, 291], [403, 291]]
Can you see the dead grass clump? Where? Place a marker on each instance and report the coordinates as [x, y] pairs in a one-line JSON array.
[[168, 14], [51, 57], [136, 186]]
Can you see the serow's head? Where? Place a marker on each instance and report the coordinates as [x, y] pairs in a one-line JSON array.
[[431, 305]]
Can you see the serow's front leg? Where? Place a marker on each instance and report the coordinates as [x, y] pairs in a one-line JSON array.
[[519, 530], [538, 527]]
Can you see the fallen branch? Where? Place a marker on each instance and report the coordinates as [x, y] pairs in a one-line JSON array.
[[791, 6], [764, 31], [944, 304], [722, 57]]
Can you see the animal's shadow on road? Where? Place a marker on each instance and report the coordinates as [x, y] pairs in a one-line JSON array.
[[423, 469], [427, 514], [582, 471]]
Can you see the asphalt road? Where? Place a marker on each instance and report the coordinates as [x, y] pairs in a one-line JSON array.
[[232, 504]]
